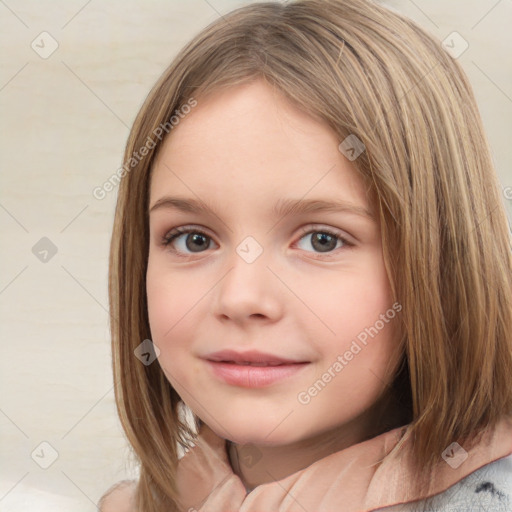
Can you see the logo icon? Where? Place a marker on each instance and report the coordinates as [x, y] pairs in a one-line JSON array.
[[455, 45], [352, 147], [249, 249], [44, 455], [44, 45], [249, 455], [44, 250], [455, 455], [147, 352]]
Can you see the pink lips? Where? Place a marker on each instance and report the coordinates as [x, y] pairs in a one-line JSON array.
[[252, 369]]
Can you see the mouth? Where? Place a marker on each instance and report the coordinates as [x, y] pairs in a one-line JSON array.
[[249, 363], [251, 358], [252, 369]]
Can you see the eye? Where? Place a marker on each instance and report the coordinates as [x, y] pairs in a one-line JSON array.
[[196, 243], [323, 241]]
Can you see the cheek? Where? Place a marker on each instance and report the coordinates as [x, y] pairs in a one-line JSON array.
[[369, 299], [345, 302], [172, 304], [171, 300]]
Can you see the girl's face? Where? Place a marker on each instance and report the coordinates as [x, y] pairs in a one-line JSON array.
[[308, 287]]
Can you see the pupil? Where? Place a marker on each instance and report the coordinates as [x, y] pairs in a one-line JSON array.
[[325, 242], [195, 238]]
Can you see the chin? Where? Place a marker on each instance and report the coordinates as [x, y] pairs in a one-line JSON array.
[[260, 434]]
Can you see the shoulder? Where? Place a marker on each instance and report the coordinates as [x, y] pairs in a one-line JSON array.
[[118, 498], [487, 488]]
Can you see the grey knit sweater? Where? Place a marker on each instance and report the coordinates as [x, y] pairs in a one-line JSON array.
[[488, 489]]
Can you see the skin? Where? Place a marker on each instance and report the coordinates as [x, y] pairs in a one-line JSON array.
[[241, 150]]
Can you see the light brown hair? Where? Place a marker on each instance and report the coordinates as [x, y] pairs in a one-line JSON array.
[[365, 71]]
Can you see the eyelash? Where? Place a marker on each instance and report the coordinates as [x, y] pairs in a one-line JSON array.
[[175, 233]]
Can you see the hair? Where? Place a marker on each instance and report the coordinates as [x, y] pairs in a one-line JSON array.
[[367, 71]]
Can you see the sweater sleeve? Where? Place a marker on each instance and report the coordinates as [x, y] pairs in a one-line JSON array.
[[489, 488]]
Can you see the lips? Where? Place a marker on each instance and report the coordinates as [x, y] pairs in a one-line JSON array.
[[252, 369], [250, 358], [248, 363]]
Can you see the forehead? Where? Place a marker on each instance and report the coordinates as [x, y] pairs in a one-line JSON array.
[[251, 140]]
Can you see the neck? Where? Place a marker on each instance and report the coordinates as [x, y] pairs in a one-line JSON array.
[[257, 465]]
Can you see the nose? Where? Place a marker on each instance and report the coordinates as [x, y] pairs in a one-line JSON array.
[[249, 291]]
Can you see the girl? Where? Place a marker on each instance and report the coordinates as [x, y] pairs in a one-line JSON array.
[[311, 259]]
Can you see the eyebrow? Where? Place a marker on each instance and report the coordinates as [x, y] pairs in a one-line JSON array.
[[282, 208]]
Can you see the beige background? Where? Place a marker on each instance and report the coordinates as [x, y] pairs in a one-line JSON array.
[[65, 119]]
